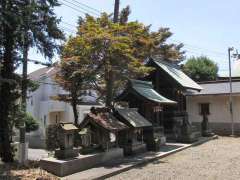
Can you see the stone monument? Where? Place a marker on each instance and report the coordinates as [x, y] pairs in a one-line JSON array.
[[206, 130]]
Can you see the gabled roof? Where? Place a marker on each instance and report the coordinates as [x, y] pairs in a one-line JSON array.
[[105, 120], [43, 72], [217, 88], [176, 74], [145, 89], [68, 126], [133, 117]]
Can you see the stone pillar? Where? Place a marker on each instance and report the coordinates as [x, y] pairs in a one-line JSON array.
[[206, 131], [23, 148]]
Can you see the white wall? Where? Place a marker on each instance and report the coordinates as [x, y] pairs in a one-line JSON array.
[[219, 108], [41, 106]]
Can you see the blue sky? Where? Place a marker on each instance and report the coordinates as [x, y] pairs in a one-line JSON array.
[[206, 27]]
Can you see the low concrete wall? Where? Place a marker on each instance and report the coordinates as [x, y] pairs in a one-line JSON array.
[[221, 128], [69, 166]]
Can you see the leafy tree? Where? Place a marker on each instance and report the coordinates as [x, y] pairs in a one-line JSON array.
[[21, 24], [201, 68], [74, 76], [121, 48]]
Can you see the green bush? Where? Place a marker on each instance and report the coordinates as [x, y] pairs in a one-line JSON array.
[[30, 123]]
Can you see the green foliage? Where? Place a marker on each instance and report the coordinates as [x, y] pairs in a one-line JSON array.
[[201, 68], [32, 85], [107, 54], [31, 123], [21, 117]]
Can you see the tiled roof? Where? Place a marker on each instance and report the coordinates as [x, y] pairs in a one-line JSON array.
[[105, 120], [217, 88], [176, 74], [133, 117]]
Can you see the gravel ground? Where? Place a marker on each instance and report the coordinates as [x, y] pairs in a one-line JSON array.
[[215, 160]]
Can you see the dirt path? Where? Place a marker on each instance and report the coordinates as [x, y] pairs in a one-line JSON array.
[[215, 160]]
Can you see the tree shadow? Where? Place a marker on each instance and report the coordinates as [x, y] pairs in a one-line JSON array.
[[7, 168]]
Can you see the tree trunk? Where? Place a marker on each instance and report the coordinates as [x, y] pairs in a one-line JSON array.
[[6, 97], [75, 111], [24, 76], [109, 70], [109, 84]]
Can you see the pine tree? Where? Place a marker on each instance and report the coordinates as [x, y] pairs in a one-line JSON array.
[[41, 31]]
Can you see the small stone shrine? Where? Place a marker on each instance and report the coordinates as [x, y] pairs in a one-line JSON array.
[[66, 141]]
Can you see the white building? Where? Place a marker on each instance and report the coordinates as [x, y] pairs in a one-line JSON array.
[[48, 111], [214, 99]]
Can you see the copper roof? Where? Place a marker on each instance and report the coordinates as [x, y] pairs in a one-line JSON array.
[[176, 74], [133, 117]]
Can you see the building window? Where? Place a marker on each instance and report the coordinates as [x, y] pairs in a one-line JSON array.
[[204, 109]]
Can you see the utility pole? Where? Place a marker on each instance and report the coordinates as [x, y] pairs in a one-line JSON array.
[[230, 93], [116, 11], [109, 68]]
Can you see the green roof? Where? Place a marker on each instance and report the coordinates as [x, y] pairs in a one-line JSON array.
[[177, 75], [145, 89], [133, 118]]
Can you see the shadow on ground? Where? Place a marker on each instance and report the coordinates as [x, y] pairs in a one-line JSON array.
[[6, 170], [143, 158]]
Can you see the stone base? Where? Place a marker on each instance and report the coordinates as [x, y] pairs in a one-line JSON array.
[[193, 137], [154, 145], [134, 149], [154, 138], [66, 153], [23, 153], [208, 133], [82, 162]]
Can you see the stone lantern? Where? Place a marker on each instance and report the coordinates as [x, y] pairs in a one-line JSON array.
[[66, 141]]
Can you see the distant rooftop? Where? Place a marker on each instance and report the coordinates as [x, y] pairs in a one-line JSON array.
[[43, 72], [217, 88]]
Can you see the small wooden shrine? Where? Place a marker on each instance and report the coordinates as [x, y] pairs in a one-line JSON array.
[[101, 130], [66, 141], [134, 141], [172, 83], [150, 104]]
